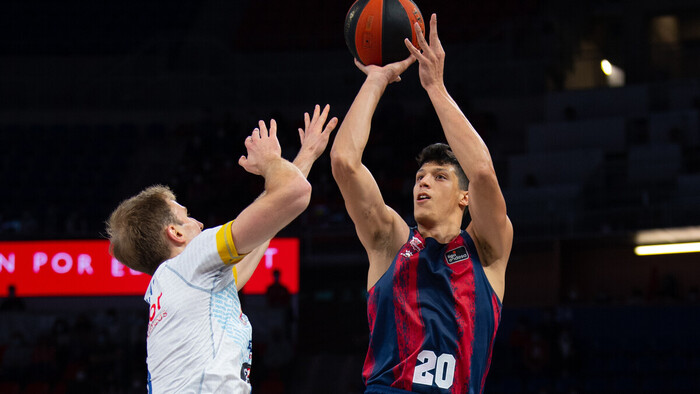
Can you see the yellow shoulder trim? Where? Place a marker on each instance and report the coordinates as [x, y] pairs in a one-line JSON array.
[[225, 247]]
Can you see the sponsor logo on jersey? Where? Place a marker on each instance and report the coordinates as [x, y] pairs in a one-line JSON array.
[[156, 315], [456, 255]]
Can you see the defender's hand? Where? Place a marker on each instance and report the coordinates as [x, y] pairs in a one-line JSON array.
[[314, 137], [263, 148]]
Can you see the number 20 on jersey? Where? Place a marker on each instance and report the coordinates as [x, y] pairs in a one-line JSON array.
[[438, 370]]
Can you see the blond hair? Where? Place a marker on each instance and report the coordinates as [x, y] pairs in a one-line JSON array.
[[136, 229]]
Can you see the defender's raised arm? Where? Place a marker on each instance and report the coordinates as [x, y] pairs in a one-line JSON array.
[[287, 192]]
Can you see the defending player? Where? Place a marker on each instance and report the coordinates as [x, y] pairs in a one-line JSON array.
[[434, 290], [199, 340]]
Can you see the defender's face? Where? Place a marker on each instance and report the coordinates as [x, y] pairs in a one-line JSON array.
[[190, 227], [436, 193]]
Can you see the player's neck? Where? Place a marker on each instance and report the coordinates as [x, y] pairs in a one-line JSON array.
[[176, 250], [442, 233]]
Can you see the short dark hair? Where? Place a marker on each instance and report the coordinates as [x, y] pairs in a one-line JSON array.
[[136, 229], [442, 154]]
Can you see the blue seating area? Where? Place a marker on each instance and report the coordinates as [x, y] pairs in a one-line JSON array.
[[605, 152]]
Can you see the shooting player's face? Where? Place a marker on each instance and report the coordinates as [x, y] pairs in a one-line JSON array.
[[188, 227], [436, 193]]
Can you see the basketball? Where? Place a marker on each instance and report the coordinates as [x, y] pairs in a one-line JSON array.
[[375, 30]]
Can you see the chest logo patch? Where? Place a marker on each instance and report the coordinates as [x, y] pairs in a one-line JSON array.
[[456, 255], [415, 244]]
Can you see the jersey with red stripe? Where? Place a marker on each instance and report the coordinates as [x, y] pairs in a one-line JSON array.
[[433, 318]]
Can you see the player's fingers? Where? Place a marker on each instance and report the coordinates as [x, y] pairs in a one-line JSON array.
[[301, 135], [242, 161], [433, 29], [324, 114], [331, 125], [262, 129], [434, 39], [405, 63], [361, 66], [273, 128], [414, 51], [420, 37], [317, 110], [307, 120]]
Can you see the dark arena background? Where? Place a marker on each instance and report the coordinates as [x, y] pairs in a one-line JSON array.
[[589, 108]]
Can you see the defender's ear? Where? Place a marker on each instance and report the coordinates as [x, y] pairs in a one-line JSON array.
[[174, 234]]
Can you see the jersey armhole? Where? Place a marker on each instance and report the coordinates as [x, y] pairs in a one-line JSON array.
[[411, 232]]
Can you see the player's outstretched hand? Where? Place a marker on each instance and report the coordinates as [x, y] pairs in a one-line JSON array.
[[314, 137], [262, 147], [390, 72], [431, 59]]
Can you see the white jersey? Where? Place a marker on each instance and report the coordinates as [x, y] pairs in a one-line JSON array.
[[199, 340]]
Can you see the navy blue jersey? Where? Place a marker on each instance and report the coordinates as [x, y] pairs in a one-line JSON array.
[[433, 318]]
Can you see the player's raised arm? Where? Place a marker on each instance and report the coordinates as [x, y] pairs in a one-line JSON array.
[[287, 192], [374, 221], [314, 139], [487, 207]]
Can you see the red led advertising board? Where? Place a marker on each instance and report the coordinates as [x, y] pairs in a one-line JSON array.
[[85, 268], [282, 254]]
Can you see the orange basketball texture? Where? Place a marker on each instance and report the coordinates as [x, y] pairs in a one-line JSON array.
[[375, 30]]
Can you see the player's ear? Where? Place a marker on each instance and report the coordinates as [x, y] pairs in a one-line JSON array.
[[464, 199], [174, 234]]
